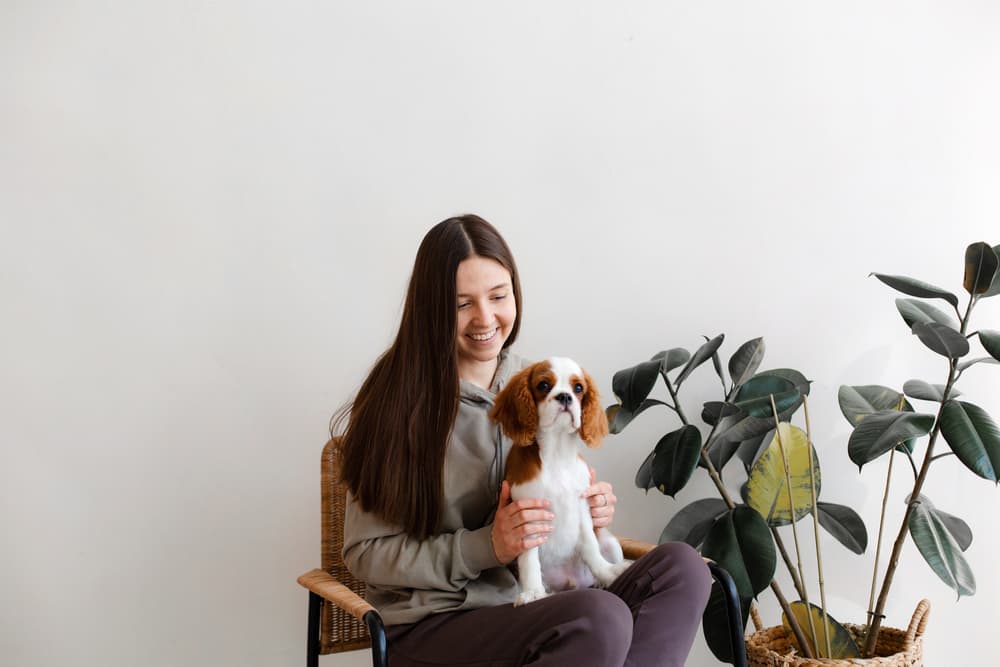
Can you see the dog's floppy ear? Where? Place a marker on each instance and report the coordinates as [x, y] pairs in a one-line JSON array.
[[593, 421], [515, 409]]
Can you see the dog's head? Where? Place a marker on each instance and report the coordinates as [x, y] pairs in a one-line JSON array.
[[551, 395]]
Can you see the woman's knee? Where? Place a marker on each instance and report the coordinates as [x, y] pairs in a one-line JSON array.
[[682, 565], [602, 610], [595, 625]]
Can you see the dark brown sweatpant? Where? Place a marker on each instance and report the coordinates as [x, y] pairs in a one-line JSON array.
[[647, 618]]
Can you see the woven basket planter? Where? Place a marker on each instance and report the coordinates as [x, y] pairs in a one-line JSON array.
[[772, 647]]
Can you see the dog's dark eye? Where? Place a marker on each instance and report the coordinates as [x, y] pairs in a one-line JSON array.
[[578, 388], [543, 387]]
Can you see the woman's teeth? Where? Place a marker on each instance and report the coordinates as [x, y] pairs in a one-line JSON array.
[[483, 336]]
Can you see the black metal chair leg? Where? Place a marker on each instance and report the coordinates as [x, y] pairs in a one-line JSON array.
[[312, 640], [380, 650], [734, 613]]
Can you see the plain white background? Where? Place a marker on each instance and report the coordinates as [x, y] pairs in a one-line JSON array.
[[209, 213]]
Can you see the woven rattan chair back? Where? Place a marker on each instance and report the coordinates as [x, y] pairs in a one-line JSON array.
[[339, 631]]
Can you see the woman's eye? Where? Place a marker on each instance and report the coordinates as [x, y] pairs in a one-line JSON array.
[[578, 388], [462, 306], [500, 297], [544, 386]]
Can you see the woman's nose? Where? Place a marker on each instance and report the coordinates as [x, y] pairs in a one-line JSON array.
[[482, 313]]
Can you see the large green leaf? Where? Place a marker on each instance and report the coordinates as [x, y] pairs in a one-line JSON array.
[[793, 376], [879, 432], [644, 476], [740, 542], [754, 397], [701, 355], [941, 339], [737, 430], [991, 342], [676, 457], [762, 386], [745, 361], [857, 402], [673, 358], [980, 268], [715, 623], [713, 411], [995, 287], [844, 524], [619, 417], [632, 385], [926, 391], [763, 408], [939, 548], [767, 486], [751, 448], [957, 527], [973, 436], [692, 523], [717, 364], [842, 645], [720, 451], [914, 311], [918, 288], [972, 362], [756, 393]]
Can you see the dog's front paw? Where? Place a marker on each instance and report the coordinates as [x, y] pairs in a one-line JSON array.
[[524, 597], [608, 574]]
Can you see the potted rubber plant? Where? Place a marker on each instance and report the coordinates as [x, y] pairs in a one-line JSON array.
[[784, 481], [887, 426]]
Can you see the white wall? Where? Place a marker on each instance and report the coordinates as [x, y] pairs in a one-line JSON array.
[[209, 212]]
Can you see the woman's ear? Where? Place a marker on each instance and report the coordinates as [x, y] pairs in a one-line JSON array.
[[515, 409], [593, 421]]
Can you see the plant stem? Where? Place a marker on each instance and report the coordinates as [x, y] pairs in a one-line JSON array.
[[918, 485], [791, 513], [815, 516], [673, 395], [788, 562]]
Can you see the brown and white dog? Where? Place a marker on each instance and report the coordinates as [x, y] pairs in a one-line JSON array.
[[547, 409]]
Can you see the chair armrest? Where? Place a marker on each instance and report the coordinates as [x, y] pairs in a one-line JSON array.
[[322, 584], [635, 549]]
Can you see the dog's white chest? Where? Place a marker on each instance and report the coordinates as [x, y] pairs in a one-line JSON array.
[[562, 486]]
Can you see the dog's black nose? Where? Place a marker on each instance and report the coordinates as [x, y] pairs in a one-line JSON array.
[[564, 399]]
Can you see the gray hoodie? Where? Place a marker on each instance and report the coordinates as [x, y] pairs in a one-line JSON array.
[[409, 579]]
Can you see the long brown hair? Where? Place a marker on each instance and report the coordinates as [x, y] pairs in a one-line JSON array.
[[399, 424]]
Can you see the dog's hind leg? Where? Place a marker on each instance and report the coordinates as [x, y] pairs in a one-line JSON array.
[[610, 547], [590, 553], [529, 569]]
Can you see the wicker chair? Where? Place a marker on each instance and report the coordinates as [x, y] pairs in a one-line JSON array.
[[340, 619]]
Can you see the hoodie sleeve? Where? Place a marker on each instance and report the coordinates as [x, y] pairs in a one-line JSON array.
[[384, 555]]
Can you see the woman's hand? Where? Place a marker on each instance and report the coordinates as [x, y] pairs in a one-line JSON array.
[[601, 499], [519, 525]]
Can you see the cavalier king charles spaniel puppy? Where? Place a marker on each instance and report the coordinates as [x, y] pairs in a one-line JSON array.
[[547, 409]]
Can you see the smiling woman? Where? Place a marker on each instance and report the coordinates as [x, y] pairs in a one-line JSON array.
[[400, 421], [430, 525]]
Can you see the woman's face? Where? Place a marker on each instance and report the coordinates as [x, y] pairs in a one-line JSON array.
[[486, 309]]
